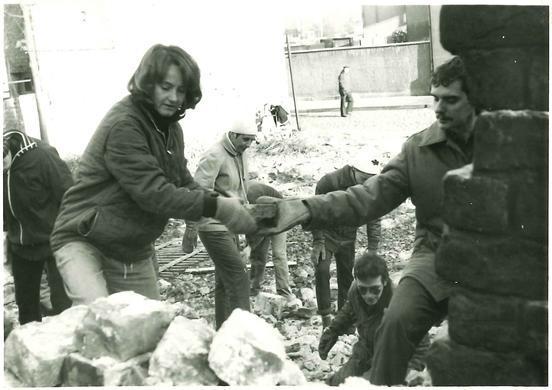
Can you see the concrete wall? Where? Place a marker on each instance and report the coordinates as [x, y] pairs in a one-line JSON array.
[[401, 69]]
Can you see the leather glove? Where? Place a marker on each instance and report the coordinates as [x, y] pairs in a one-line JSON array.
[[234, 216], [189, 240], [318, 252], [327, 341], [291, 212]]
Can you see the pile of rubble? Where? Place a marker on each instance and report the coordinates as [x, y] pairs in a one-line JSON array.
[[126, 339]]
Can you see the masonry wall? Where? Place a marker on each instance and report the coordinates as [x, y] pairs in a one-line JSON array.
[[497, 208], [390, 70]]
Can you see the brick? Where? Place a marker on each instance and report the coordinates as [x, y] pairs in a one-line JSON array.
[[494, 264], [498, 323], [490, 26], [123, 325], [475, 202], [529, 216], [105, 371], [452, 364], [508, 140]]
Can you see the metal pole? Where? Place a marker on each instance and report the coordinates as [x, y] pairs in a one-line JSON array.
[[292, 87]]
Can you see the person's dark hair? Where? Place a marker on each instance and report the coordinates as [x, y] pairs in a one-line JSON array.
[[370, 266], [451, 71], [153, 68]]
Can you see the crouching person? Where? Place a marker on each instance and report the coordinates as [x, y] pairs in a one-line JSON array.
[[367, 300]]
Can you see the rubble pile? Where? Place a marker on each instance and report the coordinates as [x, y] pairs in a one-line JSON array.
[[128, 340]]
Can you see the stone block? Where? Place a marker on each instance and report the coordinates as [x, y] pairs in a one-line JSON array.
[[181, 355], [104, 371], [498, 323], [308, 296], [452, 364], [123, 325], [475, 202], [247, 351], [34, 352], [498, 78], [509, 140], [269, 304], [291, 375], [529, 213], [494, 264], [489, 26]]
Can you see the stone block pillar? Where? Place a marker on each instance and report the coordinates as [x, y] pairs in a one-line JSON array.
[[496, 209]]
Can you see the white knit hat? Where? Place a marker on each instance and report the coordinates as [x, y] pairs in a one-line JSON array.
[[244, 124], [365, 163]]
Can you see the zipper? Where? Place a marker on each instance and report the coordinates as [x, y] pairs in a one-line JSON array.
[[11, 208], [165, 139]]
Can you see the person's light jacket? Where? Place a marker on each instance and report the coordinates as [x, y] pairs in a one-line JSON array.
[[222, 169]]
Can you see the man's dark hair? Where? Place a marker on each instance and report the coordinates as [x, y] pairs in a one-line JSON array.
[[370, 266], [153, 68], [451, 71]]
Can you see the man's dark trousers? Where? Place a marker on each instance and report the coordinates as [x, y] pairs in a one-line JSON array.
[[411, 313]]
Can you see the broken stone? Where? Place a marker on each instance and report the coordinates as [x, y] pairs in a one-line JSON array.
[[308, 296], [269, 304], [181, 355], [247, 351], [34, 352], [291, 375], [10, 322], [104, 371], [123, 325], [356, 382], [183, 310], [11, 380]]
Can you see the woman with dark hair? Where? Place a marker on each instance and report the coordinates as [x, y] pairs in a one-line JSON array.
[[132, 177]]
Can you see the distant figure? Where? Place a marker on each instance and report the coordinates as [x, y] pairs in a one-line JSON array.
[[345, 92]]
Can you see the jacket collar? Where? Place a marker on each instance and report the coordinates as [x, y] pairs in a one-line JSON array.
[[433, 135], [229, 146], [26, 143]]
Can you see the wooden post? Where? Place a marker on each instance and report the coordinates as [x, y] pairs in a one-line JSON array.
[[292, 87], [40, 94]]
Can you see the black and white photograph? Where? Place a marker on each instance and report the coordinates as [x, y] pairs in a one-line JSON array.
[[290, 193]]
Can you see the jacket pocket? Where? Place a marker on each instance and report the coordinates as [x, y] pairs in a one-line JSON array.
[[110, 225]]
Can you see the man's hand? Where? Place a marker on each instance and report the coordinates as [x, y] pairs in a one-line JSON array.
[[189, 240], [291, 212], [318, 252], [234, 216], [327, 341]]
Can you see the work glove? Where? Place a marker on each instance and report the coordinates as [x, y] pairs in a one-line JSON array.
[[318, 251], [234, 216], [327, 341], [291, 212], [189, 240]]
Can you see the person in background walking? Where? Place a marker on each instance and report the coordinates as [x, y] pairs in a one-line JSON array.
[[345, 92]]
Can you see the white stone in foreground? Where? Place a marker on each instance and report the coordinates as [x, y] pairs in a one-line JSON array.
[[247, 351], [34, 352], [123, 325], [180, 358]]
